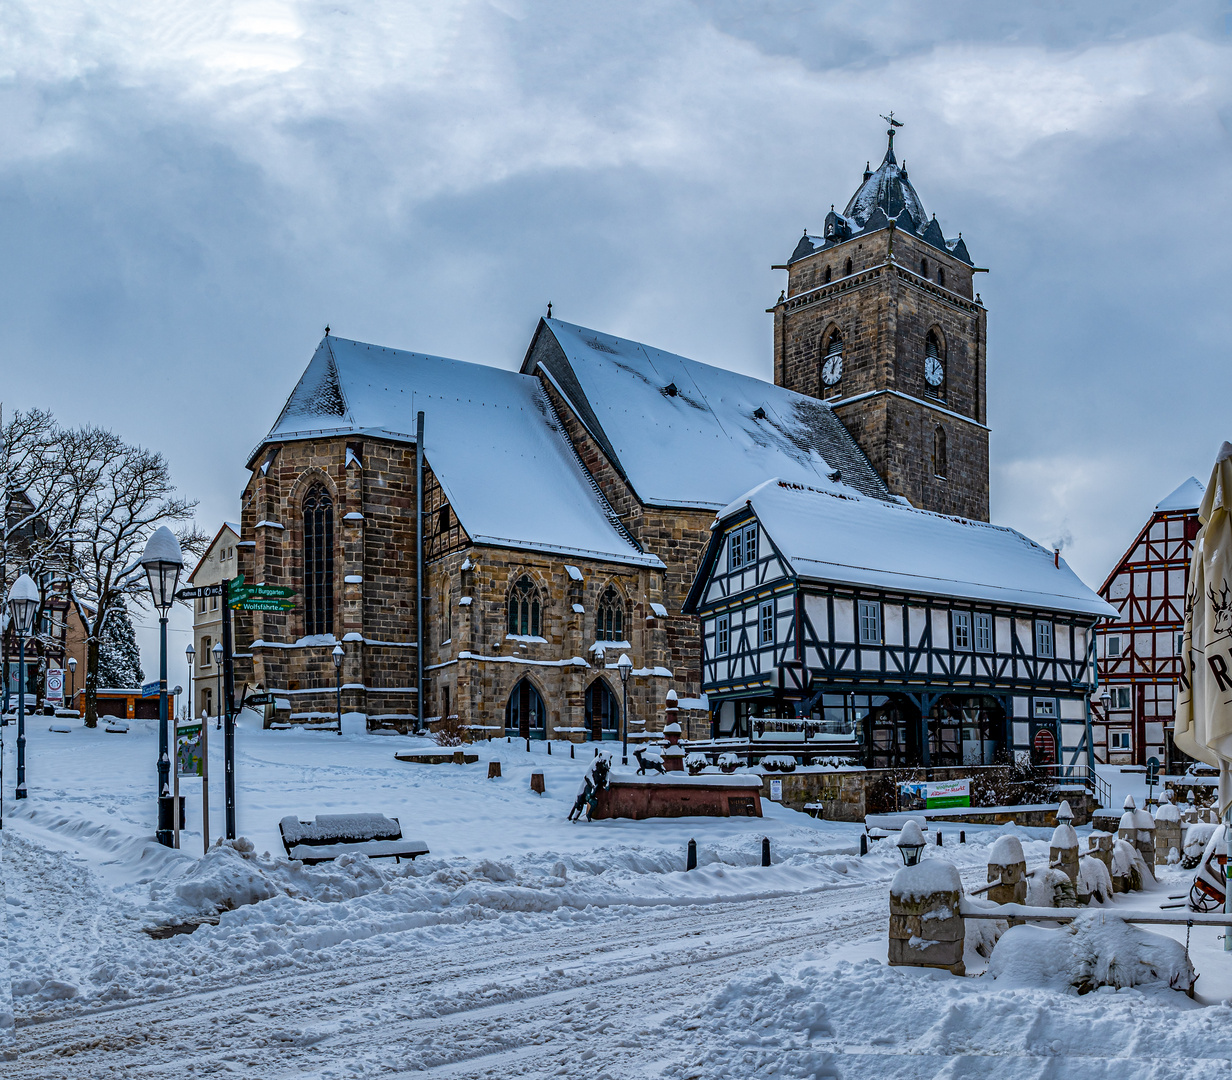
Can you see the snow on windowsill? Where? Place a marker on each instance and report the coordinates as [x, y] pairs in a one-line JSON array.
[[354, 515], [575, 661], [527, 637], [606, 645]]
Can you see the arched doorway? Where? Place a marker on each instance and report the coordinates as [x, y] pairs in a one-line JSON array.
[[525, 715], [602, 711]]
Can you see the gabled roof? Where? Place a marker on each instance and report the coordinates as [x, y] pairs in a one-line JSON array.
[[1186, 497], [226, 527], [491, 438], [687, 434], [827, 536]]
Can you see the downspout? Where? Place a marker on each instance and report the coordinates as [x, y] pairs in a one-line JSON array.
[[419, 573]]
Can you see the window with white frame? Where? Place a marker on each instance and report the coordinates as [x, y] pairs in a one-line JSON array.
[[1043, 637], [983, 633], [1121, 697], [1045, 708], [961, 623], [1120, 740], [722, 635], [870, 622], [1113, 645], [742, 547], [766, 621]]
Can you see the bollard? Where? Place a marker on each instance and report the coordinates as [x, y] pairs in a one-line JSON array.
[[863, 843], [765, 851], [962, 836], [690, 862], [536, 783], [939, 843], [494, 770], [596, 751], [528, 746], [549, 747], [571, 753]]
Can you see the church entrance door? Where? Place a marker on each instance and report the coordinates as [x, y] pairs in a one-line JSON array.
[[602, 711], [525, 716]]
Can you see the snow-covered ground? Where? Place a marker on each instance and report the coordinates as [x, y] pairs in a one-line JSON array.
[[523, 945]]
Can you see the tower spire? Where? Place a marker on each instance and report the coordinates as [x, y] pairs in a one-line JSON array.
[[893, 124]]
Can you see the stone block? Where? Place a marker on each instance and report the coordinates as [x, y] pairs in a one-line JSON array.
[[928, 952]]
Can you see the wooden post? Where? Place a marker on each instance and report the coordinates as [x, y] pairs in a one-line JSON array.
[[536, 783], [494, 768]]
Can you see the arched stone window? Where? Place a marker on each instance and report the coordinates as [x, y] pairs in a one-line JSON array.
[[525, 715], [924, 268], [847, 268], [934, 365], [939, 462], [610, 618], [941, 276], [318, 561], [446, 611], [525, 618], [602, 711], [829, 274], [830, 364]]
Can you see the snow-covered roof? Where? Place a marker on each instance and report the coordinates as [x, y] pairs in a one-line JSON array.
[[684, 433], [845, 538], [1187, 497], [491, 438]]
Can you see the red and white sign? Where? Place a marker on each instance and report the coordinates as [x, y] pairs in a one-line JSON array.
[[55, 684]]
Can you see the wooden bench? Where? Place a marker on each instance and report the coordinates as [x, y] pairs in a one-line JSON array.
[[331, 835]]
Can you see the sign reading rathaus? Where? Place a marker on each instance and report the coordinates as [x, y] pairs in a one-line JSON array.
[[568, 506]]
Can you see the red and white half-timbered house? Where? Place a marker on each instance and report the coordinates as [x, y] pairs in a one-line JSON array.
[[1139, 650]]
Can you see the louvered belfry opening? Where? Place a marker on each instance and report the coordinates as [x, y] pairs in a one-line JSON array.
[[318, 561]]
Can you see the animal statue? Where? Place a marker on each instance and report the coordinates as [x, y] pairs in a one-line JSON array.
[[645, 761], [593, 782]]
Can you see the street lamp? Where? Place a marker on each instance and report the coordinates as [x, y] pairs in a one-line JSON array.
[[217, 651], [624, 665], [337, 655], [23, 606], [911, 843], [72, 680], [163, 562]]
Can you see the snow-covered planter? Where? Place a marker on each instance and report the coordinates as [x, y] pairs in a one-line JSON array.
[[729, 763], [779, 763], [1096, 949], [696, 763]]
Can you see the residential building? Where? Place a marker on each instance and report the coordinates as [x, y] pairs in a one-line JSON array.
[[217, 564]]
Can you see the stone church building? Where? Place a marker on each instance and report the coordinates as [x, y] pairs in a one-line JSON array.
[[566, 505]]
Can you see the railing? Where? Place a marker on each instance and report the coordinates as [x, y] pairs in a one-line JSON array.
[[1084, 775]]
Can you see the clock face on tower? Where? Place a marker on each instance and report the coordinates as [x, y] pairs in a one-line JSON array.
[[934, 371], [832, 370]]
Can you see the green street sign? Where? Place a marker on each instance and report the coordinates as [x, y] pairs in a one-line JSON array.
[[236, 582], [277, 592], [263, 605]]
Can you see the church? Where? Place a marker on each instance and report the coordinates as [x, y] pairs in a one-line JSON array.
[[514, 534]]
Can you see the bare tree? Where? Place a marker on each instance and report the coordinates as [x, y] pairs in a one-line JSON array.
[[130, 497]]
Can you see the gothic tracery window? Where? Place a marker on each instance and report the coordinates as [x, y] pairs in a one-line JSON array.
[[318, 561], [610, 620], [525, 609]]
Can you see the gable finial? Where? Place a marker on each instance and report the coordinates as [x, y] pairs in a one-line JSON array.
[[327, 330]]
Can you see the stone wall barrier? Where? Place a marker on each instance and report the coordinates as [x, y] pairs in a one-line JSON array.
[[1007, 867], [1168, 832], [926, 924]]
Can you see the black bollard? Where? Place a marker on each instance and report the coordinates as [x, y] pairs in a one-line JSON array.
[[690, 861], [596, 751], [549, 747], [765, 851], [962, 836], [863, 843], [939, 844], [528, 746], [571, 753]]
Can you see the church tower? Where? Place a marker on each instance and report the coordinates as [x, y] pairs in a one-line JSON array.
[[880, 320]]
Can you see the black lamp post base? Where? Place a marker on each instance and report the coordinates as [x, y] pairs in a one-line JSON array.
[[166, 834], [20, 793]]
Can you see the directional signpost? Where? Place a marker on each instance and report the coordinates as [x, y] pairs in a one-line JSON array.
[[261, 597]]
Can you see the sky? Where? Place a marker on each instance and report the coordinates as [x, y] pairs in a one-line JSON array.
[[191, 191]]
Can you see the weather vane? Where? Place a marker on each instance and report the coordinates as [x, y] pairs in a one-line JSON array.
[[890, 120]]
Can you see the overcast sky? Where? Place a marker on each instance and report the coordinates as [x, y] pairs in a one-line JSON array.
[[191, 190]]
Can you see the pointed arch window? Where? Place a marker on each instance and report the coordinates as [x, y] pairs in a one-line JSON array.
[[610, 619], [941, 276], [939, 462], [847, 268], [831, 365], [318, 561], [829, 274], [923, 268], [525, 609]]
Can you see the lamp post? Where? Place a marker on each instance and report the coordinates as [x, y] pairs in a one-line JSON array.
[[190, 654], [23, 606], [217, 651], [911, 843], [337, 655], [72, 680], [624, 665], [163, 562]]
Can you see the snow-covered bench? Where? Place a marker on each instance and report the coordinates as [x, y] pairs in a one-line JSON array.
[[331, 835]]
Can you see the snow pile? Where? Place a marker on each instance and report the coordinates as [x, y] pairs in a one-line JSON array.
[[1168, 810], [1096, 949], [1094, 879], [231, 875], [328, 827], [1006, 851], [1197, 836], [926, 878], [1050, 888], [1063, 837]]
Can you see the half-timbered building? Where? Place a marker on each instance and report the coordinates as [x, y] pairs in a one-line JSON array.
[[837, 624], [1140, 647]]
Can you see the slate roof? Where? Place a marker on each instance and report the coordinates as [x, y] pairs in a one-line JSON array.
[[491, 438], [688, 434], [883, 196], [828, 536]]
